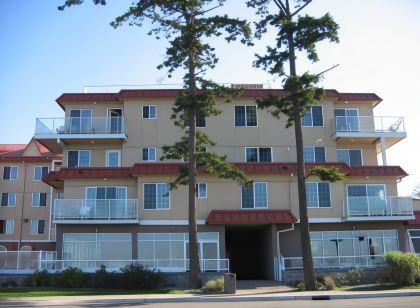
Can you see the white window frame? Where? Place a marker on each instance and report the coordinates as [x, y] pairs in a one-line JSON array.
[[312, 147], [9, 226], [33, 221], [258, 154], [156, 198], [96, 187], [148, 154], [17, 173], [35, 179], [9, 204], [317, 193], [39, 199], [198, 190], [78, 158], [253, 189], [364, 184], [348, 154], [246, 123], [107, 157], [323, 118], [149, 118]]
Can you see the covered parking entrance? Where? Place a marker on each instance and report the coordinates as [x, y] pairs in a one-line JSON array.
[[250, 240]]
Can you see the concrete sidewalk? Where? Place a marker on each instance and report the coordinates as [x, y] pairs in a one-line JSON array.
[[142, 299]]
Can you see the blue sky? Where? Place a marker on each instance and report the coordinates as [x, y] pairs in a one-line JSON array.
[[45, 52]]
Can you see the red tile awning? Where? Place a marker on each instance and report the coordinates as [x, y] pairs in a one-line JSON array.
[[416, 221], [222, 217], [396, 171]]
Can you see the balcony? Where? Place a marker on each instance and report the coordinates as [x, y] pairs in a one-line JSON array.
[[368, 129], [378, 208], [79, 129], [95, 211]]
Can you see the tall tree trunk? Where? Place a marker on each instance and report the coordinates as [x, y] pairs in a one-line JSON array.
[[194, 275], [308, 266]]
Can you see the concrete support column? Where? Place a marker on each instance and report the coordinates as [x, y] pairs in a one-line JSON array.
[[383, 151]]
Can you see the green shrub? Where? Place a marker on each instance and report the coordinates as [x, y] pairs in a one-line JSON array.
[[9, 284], [214, 285], [71, 277], [402, 268], [329, 283], [140, 278], [355, 276], [38, 279]]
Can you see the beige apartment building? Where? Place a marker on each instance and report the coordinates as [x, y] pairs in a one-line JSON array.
[[113, 206], [25, 211]]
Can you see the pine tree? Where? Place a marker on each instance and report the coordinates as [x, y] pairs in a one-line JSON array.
[[295, 33], [186, 25]]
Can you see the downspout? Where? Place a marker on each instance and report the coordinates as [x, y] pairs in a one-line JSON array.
[[278, 246]]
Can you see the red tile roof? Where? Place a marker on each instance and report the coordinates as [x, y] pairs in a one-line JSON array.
[[396, 171], [249, 217], [249, 168], [165, 93], [14, 153], [416, 221]]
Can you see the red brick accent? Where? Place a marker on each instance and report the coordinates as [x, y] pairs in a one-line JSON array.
[[221, 217]]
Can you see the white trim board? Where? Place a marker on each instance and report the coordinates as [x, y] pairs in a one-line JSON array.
[[322, 220]]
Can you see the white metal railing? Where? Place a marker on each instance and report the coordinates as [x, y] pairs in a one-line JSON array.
[[80, 125], [368, 124], [378, 206], [24, 260], [173, 265], [91, 209], [336, 262]]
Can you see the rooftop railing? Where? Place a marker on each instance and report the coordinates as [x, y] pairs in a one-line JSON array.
[[368, 124], [95, 209], [80, 125], [378, 206]]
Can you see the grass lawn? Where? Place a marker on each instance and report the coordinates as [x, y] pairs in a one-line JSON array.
[[34, 292], [376, 287]]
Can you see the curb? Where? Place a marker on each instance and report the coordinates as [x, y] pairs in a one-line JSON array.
[[254, 298]]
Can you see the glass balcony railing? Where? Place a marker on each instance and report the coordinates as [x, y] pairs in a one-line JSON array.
[[80, 125], [378, 206], [366, 124], [95, 209]]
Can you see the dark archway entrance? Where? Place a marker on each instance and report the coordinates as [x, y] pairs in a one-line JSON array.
[[249, 250]]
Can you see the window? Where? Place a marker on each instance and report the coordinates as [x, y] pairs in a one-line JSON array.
[[97, 246], [37, 226], [245, 116], [10, 173], [78, 158], [200, 121], [314, 154], [415, 239], [347, 119], [318, 194], [258, 154], [40, 173], [113, 158], [6, 226], [60, 195], [156, 196], [313, 117], [350, 156], [39, 199], [148, 154], [254, 195], [81, 121], [106, 193], [366, 200], [352, 248], [149, 112], [8, 199], [201, 190]]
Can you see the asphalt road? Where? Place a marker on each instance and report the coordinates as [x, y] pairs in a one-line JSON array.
[[385, 302]]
